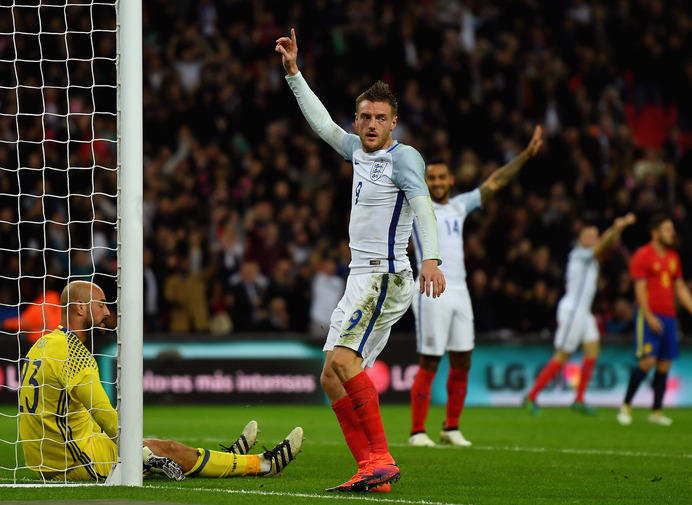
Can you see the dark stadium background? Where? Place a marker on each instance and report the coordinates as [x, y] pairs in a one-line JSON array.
[[246, 211]]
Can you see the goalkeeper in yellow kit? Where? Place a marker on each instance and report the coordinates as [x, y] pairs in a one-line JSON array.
[[68, 426]]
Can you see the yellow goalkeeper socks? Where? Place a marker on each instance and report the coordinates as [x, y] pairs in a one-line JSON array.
[[216, 464]]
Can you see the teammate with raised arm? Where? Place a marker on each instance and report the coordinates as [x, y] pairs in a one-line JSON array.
[[657, 274], [68, 426], [575, 323], [388, 188], [447, 323]]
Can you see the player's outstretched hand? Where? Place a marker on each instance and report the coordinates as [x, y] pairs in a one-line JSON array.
[[288, 47], [536, 142], [626, 220], [432, 280]]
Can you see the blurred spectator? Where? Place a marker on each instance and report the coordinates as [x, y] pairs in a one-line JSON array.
[[248, 287], [484, 307], [276, 317], [327, 290], [540, 308], [38, 317], [620, 320], [151, 294], [235, 181], [186, 293], [220, 302]]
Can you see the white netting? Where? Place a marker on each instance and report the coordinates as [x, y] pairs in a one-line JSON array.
[[58, 178]]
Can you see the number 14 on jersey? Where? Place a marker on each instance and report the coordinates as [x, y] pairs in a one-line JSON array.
[[453, 227]]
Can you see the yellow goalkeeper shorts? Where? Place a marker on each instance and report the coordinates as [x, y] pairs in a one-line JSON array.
[[95, 462]]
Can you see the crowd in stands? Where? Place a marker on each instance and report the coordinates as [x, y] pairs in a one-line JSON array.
[[246, 210], [58, 157]]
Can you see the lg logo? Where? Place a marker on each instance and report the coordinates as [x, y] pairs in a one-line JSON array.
[[397, 378]]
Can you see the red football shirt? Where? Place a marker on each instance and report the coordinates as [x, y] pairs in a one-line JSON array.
[[659, 272]]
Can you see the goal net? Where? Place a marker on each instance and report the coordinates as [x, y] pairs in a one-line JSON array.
[[62, 218]]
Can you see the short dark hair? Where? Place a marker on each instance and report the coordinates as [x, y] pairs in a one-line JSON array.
[[656, 220], [379, 92], [437, 160]]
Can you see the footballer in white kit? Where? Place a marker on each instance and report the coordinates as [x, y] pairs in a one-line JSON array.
[[380, 285], [388, 188], [576, 325], [575, 322], [448, 326], [380, 269]]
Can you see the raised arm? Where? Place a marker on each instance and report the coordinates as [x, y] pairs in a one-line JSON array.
[[501, 177], [315, 113], [609, 236]]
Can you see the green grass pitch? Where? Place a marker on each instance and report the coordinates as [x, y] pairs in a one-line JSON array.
[[555, 458]]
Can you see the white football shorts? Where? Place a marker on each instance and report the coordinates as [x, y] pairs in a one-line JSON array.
[[574, 328], [444, 323], [364, 317]]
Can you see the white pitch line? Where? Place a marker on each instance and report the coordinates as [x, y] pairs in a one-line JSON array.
[[336, 496], [588, 452], [594, 452]]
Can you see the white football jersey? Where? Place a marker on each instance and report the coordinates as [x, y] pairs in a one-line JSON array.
[[381, 217], [450, 227], [581, 279]]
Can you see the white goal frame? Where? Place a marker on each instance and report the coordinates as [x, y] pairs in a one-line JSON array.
[[128, 469]]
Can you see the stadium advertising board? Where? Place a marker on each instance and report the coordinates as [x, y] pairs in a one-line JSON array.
[[501, 374], [222, 380], [227, 372], [288, 372]]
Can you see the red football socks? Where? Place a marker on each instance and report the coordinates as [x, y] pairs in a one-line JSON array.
[[457, 385], [587, 367], [420, 399], [547, 373], [366, 405], [350, 425]]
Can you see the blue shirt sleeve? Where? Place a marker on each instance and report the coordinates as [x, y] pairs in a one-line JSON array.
[[349, 145], [408, 171], [471, 200]]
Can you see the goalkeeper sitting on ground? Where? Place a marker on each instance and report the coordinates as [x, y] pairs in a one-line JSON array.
[[68, 426]]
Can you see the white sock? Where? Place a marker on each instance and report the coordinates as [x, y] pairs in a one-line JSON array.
[[265, 464]]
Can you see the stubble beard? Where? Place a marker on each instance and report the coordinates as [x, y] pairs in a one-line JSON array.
[[440, 199], [96, 329]]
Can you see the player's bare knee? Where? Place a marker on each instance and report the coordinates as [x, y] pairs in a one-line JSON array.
[[328, 380], [663, 366], [561, 356], [646, 364], [429, 363], [460, 360], [345, 363]]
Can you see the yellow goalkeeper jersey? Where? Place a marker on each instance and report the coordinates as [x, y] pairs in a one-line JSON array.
[[60, 392]]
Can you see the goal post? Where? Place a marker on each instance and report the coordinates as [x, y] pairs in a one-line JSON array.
[[71, 177], [130, 232]]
